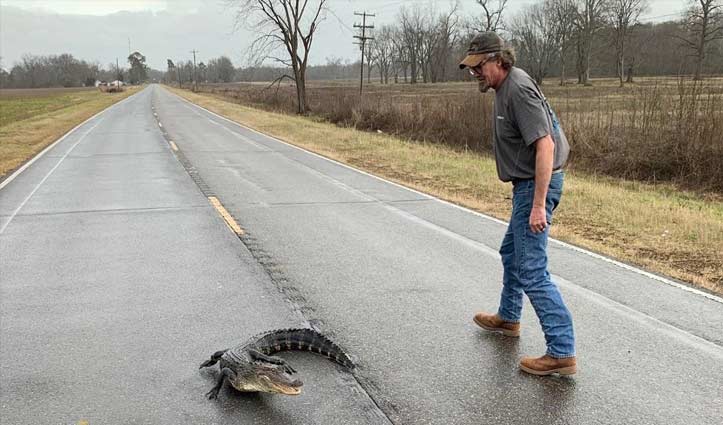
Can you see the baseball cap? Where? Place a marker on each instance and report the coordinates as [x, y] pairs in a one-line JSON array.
[[481, 45]]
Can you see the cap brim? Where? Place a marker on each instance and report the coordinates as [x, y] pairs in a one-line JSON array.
[[472, 60]]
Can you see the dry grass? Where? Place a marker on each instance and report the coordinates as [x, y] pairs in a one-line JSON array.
[[20, 104], [31, 119], [657, 227], [657, 130], [43, 92]]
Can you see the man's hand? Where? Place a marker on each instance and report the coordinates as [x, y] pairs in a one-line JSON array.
[[545, 151], [538, 219]]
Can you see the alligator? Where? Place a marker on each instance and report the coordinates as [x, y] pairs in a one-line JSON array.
[[250, 366]]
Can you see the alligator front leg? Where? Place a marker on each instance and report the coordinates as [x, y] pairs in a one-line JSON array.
[[214, 358], [257, 355], [225, 373]]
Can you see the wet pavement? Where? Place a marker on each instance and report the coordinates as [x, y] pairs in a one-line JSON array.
[[119, 278]]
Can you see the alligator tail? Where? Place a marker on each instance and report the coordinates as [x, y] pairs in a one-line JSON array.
[[303, 339]]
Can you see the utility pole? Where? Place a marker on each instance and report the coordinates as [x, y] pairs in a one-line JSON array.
[[195, 77], [362, 43], [117, 70]]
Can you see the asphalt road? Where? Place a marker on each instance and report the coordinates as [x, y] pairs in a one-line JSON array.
[[118, 278]]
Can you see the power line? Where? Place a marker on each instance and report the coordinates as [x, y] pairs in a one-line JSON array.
[[650, 18], [387, 5], [344, 25]]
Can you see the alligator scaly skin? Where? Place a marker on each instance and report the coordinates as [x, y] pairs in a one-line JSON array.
[[246, 366], [301, 339]]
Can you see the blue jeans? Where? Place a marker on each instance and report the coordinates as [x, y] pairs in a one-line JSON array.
[[524, 257]]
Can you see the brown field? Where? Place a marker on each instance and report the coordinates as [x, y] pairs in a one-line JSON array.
[[655, 130], [656, 226]]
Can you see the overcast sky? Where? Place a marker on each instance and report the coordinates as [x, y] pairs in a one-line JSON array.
[[100, 30]]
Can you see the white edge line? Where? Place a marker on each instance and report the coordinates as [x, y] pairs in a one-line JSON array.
[[27, 198], [52, 145], [643, 318], [564, 244]]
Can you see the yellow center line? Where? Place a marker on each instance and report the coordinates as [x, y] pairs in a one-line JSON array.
[[226, 216], [173, 145]]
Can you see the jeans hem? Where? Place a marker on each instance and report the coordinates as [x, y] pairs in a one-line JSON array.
[[507, 320], [560, 356]]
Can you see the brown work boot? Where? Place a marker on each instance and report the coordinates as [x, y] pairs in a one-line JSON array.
[[492, 322], [547, 365]]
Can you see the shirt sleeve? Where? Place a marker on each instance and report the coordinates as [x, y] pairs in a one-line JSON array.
[[530, 115]]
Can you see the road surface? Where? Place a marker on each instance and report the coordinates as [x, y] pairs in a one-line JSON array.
[[118, 278]]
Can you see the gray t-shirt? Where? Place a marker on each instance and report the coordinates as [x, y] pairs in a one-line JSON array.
[[522, 115]]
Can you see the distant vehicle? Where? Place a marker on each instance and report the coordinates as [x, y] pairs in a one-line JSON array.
[[112, 87]]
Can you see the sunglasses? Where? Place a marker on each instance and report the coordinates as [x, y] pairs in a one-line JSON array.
[[478, 69]]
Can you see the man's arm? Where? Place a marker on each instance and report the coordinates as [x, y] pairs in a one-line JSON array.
[[545, 151]]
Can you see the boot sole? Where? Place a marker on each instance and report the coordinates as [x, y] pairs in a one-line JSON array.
[[569, 370], [505, 332]]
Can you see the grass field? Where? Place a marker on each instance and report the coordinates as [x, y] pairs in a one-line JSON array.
[[658, 227], [20, 104], [31, 119], [656, 130]]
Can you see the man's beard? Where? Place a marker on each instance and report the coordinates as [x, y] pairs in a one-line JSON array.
[[483, 86]]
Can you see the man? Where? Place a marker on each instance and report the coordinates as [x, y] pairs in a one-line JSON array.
[[530, 150]]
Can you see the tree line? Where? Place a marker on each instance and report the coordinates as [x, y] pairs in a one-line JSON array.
[[577, 38], [217, 70], [650, 49], [62, 70], [561, 38], [65, 70], [552, 37]]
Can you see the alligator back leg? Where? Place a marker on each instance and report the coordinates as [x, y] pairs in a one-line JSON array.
[[214, 358]]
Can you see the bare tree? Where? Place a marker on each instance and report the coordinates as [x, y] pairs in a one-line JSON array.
[[624, 16], [220, 69], [186, 69], [448, 35], [589, 19], [491, 20], [401, 54], [382, 52], [428, 41], [534, 34], [30, 69], [412, 32], [428, 37], [704, 23], [563, 13], [287, 24], [203, 72]]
